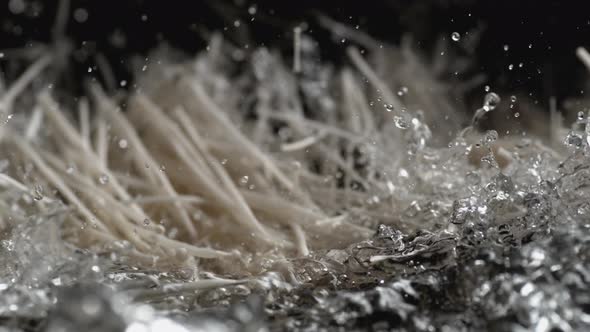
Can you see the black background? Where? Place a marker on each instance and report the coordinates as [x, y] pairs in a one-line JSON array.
[[550, 68]]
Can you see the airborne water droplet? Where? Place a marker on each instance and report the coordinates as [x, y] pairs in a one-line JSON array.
[[388, 107], [490, 101], [486, 88], [402, 91], [244, 180], [123, 144], [513, 99], [455, 36]]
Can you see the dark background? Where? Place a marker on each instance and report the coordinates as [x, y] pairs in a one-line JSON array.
[[550, 68]]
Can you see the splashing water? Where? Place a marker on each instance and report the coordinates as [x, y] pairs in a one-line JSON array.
[[457, 244]]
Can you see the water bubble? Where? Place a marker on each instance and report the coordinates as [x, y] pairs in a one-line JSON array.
[[123, 143], [103, 179], [455, 36], [400, 122], [491, 101]]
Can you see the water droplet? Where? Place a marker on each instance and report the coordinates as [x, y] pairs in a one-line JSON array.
[[400, 122], [510, 66], [513, 99], [123, 143], [123, 83], [490, 136], [506, 48], [388, 107], [516, 115], [16, 6], [244, 180], [103, 179], [402, 91], [455, 36], [146, 221], [70, 169], [491, 101], [162, 168], [95, 268], [80, 15], [573, 139], [580, 115], [486, 88], [252, 10]]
